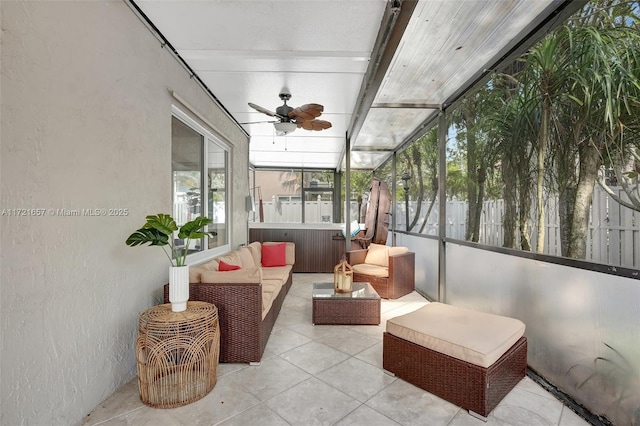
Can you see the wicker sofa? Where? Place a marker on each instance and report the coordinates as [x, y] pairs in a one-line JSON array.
[[248, 299]]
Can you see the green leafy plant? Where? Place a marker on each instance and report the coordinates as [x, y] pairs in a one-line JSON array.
[[158, 231]]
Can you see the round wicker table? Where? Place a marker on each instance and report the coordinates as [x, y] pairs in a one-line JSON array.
[[177, 354]]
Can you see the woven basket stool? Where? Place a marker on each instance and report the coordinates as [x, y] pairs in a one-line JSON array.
[[471, 359], [177, 354]]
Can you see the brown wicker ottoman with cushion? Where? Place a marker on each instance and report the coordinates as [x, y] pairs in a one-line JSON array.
[[471, 359]]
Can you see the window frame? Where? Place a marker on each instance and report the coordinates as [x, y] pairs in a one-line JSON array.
[[208, 135]]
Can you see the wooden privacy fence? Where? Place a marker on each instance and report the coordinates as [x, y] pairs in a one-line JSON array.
[[613, 238]]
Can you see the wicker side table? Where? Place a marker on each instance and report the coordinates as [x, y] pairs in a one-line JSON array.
[[177, 354]]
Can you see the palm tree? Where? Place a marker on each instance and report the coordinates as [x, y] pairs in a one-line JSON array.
[[605, 83], [545, 75]]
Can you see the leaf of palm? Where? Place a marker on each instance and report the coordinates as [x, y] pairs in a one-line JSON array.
[[162, 222], [192, 230], [151, 236]]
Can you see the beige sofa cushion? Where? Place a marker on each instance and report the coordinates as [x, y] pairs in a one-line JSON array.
[[373, 270], [271, 286], [267, 302], [194, 275], [246, 258], [280, 273], [377, 255], [195, 271], [256, 251], [475, 337], [239, 276], [270, 290]]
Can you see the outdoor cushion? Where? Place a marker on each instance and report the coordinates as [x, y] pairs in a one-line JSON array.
[[267, 301], [280, 273], [225, 267], [232, 258], [274, 255], [256, 251], [377, 254], [394, 251], [373, 270], [271, 286], [246, 257], [239, 276], [290, 250], [475, 337]]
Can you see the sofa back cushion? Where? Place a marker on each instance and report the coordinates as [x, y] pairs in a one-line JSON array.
[[256, 251], [246, 258], [377, 254], [291, 253]]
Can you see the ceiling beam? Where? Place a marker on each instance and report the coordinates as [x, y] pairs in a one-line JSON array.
[[406, 105], [396, 17]]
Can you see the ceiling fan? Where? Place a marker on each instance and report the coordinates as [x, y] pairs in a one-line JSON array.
[[289, 118]]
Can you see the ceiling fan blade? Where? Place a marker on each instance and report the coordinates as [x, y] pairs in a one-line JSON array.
[[306, 112], [314, 124], [263, 110], [258, 122]]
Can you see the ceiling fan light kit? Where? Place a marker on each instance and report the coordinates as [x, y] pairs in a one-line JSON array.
[[304, 116], [284, 127]]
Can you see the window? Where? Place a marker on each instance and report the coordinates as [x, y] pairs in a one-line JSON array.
[[199, 166], [293, 196]]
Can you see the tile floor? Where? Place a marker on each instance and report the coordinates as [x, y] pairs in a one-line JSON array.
[[326, 375]]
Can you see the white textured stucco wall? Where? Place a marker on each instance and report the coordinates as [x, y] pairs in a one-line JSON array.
[[85, 124]]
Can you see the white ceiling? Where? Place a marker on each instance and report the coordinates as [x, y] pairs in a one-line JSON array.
[[377, 90]]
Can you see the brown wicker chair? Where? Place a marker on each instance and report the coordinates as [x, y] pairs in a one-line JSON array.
[[392, 281]]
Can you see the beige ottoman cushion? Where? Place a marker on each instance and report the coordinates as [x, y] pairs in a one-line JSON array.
[[475, 337]]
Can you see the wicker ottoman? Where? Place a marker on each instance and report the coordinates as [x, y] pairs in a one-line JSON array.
[[471, 359], [177, 354]]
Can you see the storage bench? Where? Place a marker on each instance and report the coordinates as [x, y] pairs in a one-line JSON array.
[[471, 359]]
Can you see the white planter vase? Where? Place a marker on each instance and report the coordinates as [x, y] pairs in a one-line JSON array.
[[178, 287]]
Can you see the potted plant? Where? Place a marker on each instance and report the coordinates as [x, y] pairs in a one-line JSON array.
[[159, 231]]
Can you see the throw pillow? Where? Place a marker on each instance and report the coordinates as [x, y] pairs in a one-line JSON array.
[[274, 255], [378, 254], [224, 266]]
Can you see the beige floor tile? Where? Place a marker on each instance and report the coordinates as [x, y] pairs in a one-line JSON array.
[[364, 415], [348, 341], [356, 378], [314, 357], [409, 405], [283, 340], [569, 418], [125, 400], [521, 407], [373, 355], [227, 399], [312, 403], [259, 415], [273, 376]]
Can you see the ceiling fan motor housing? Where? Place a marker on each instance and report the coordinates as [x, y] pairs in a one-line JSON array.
[[284, 111]]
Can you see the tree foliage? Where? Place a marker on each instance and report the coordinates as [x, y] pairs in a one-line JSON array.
[[563, 116]]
